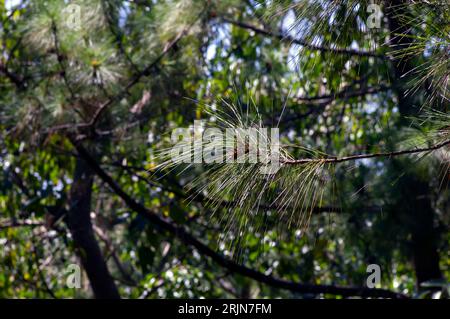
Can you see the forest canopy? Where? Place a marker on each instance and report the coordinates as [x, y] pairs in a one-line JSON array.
[[118, 178]]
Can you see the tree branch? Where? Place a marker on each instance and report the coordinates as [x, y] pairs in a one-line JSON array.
[[289, 39], [190, 240], [134, 80], [16, 80], [20, 224], [347, 92], [137, 77], [365, 156], [200, 198]]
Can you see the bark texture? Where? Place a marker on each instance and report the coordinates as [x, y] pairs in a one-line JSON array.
[[79, 223]]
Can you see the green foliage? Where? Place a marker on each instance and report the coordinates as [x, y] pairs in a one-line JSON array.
[[316, 223]]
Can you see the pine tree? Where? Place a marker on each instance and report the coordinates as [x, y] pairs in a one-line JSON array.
[[91, 89]]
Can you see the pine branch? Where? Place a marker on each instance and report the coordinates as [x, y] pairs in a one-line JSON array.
[[146, 72], [61, 59], [289, 39], [118, 35], [188, 239], [365, 156], [134, 80], [200, 198]]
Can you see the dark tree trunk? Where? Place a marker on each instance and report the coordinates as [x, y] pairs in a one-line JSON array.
[[80, 226], [417, 209], [416, 215]]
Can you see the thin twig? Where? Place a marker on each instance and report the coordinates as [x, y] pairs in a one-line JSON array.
[[364, 156]]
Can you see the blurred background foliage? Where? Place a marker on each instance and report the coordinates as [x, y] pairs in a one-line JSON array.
[[152, 65]]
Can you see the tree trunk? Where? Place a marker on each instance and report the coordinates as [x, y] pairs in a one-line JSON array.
[[80, 226], [417, 215], [416, 202]]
